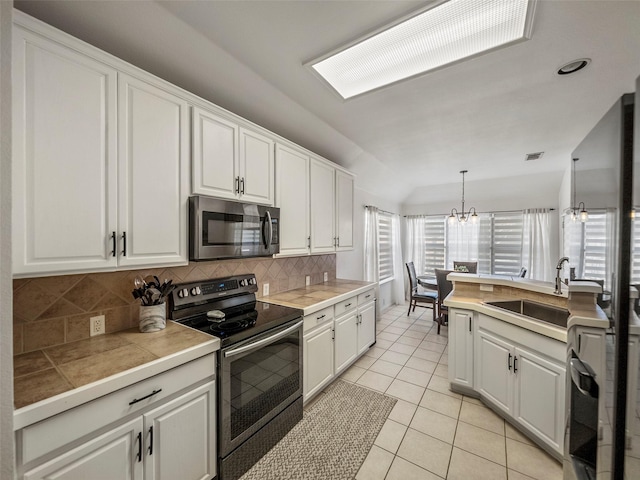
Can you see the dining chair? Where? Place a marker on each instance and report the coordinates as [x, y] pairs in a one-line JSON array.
[[472, 267], [430, 298], [444, 288]]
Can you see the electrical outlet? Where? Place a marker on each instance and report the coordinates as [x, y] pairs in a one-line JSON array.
[[326, 276], [307, 280], [265, 289], [96, 325]]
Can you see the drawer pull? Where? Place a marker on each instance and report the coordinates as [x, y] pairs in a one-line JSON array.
[[367, 296], [320, 317], [515, 364], [151, 440], [136, 400], [509, 362], [139, 455], [347, 305]]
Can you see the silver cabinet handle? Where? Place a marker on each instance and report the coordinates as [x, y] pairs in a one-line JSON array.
[[264, 341]]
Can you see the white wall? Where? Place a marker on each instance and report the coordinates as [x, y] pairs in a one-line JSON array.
[[351, 264], [6, 290]]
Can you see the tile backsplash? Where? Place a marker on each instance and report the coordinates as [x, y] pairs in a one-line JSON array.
[[50, 311]]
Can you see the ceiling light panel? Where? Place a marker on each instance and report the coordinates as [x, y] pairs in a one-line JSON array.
[[444, 34]]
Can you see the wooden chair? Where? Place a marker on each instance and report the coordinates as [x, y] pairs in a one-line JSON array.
[[420, 297], [472, 267], [444, 288]]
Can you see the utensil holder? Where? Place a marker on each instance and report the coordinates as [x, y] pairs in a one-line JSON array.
[[153, 317]]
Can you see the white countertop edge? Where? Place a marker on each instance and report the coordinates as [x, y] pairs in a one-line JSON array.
[[324, 303], [38, 411], [542, 328], [526, 284], [580, 321]]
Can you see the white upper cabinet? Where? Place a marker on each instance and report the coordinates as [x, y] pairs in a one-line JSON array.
[[64, 157], [292, 197], [230, 161], [323, 195], [344, 211], [153, 140]]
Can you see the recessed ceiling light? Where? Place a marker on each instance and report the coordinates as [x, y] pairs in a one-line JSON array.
[[444, 33], [573, 66]]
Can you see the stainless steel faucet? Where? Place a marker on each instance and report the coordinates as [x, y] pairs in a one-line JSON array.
[[558, 290]]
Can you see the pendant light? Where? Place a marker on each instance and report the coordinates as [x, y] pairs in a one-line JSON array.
[[463, 217], [577, 211]]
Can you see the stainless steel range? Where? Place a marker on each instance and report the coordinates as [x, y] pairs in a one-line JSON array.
[[259, 365]]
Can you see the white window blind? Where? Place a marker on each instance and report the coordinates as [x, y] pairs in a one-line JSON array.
[[434, 245], [635, 250], [506, 252], [385, 243]]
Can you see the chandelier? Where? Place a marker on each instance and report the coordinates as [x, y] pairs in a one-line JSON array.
[[578, 211], [463, 216]]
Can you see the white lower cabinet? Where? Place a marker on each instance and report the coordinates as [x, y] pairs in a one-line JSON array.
[[461, 349], [346, 341], [366, 323], [318, 359], [153, 430], [523, 375]]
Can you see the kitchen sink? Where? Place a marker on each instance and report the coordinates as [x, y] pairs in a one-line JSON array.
[[538, 311]]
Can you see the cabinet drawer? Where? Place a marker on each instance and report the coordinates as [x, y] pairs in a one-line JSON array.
[[366, 297], [345, 306], [59, 430], [320, 317]]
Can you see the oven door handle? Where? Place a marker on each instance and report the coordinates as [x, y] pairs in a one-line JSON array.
[[264, 341]]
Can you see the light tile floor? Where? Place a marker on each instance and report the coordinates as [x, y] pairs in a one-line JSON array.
[[433, 433]]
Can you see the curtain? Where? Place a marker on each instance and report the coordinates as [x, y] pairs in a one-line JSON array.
[[414, 244], [371, 253], [536, 244], [462, 242], [398, 267]]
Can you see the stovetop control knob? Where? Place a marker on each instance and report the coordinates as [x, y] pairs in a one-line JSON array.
[[252, 281], [183, 293], [195, 291], [244, 282]]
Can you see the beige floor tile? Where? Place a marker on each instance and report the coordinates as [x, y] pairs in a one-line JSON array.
[[376, 465], [481, 416], [441, 403], [394, 330], [475, 401], [433, 346], [513, 475], [403, 470], [442, 371], [375, 381], [387, 336], [441, 384], [403, 412], [395, 357], [532, 461], [411, 332], [515, 434], [444, 359], [420, 364], [427, 355], [365, 362], [435, 338], [383, 343], [402, 348], [375, 352], [414, 342], [390, 436], [434, 424], [353, 373], [481, 442], [386, 368], [405, 391], [425, 451], [466, 466], [417, 377]]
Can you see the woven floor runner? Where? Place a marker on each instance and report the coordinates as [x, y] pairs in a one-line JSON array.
[[332, 439]]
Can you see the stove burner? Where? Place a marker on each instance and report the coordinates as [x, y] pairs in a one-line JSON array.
[[231, 326]]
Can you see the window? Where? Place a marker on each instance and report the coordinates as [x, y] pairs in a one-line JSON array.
[[385, 246], [434, 244], [635, 250], [506, 243]]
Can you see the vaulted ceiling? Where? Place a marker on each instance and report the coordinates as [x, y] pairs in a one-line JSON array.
[[482, 115]]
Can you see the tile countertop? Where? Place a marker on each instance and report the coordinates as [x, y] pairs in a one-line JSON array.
[[312, 298], [49, 381]]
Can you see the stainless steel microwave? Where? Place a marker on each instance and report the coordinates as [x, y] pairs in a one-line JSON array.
[[225, 229]]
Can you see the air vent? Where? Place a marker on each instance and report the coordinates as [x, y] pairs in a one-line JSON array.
[[533, 156]]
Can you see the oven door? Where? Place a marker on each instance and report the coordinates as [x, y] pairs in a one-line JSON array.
[[259, 378]]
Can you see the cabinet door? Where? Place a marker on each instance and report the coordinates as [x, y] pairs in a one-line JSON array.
[[215, 155], [346, 342], [180, 437], [256, 168], [461, 351], [318, 360], [115, 454], [367, 326], [344, 211], [64, 158], [292, 197], [153, 168], [539, 396], [494, 370], [322, 181]]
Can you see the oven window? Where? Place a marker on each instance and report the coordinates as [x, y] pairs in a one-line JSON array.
[[262, 381], [230, 229]]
